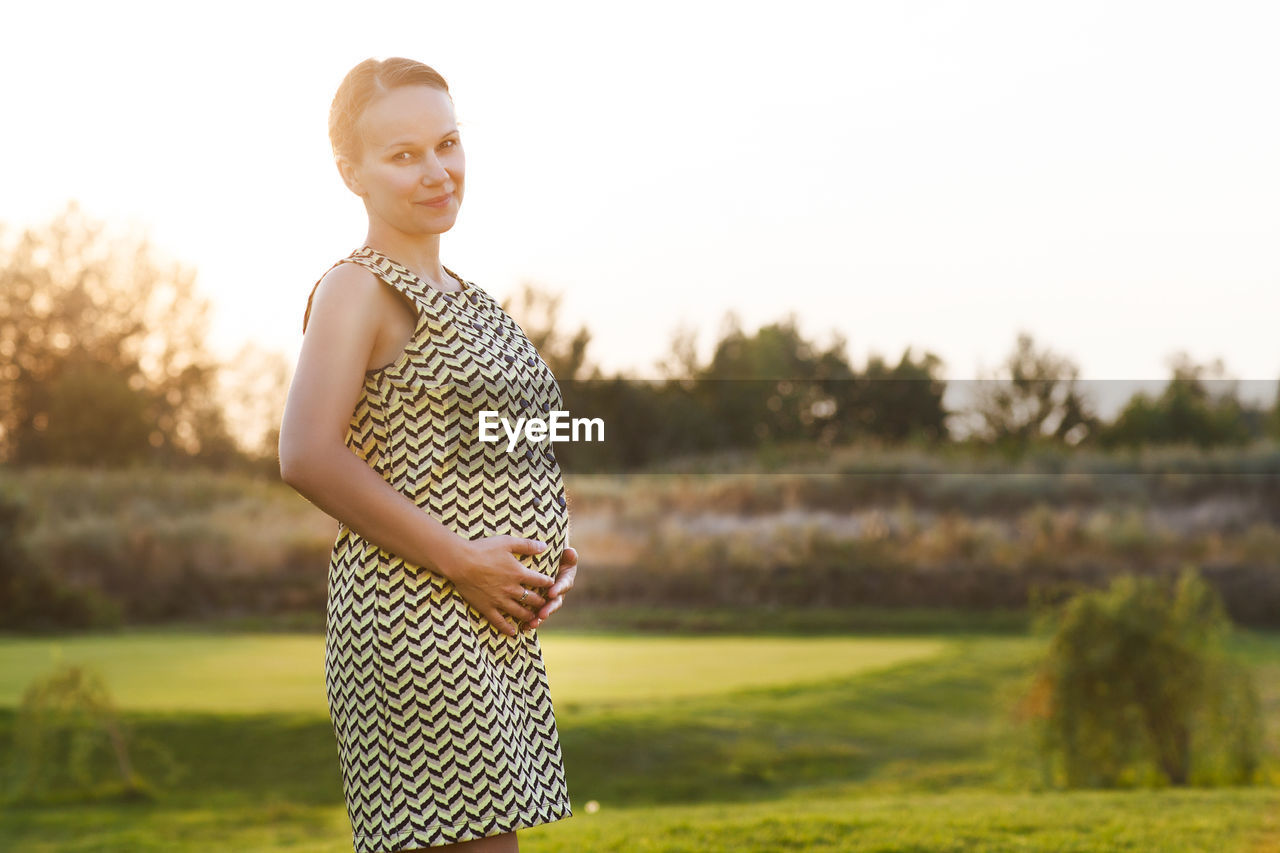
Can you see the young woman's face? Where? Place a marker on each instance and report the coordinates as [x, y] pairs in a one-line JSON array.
[[411, 154]]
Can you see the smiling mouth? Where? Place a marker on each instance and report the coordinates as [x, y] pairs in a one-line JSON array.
[[437, 199]]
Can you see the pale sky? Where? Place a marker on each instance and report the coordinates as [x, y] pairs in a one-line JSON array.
[[1104, 175]]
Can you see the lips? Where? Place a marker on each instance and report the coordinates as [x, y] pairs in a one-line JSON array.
[[437, 199]]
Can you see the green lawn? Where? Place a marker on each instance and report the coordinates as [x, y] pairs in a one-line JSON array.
[[686, 743], [1143, 822], [159, 671]]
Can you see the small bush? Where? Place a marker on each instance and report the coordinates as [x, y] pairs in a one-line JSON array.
[[1137, 691], [70, 744], [32, 596]]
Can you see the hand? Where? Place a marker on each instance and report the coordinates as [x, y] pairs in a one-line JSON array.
[[564, 583], [492, 580]]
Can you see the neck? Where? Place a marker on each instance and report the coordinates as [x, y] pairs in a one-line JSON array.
[[421, 256]]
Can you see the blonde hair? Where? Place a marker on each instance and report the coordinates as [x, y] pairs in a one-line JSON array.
[[362, 85]]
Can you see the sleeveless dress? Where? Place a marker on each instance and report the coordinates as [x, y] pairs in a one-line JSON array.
[[444, 724]]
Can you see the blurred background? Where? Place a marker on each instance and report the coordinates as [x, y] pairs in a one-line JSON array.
[[935, 347]]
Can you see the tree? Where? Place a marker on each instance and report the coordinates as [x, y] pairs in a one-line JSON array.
[[681, 361], [538, 313], [1032, 398], [102, 341], [904, 401], [1187, 411], [773, 385], [1271, 424], [252, 387]]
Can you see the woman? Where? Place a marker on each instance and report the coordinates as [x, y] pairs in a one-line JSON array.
[[451, 551]]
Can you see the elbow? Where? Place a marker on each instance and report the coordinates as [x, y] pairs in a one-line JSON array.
[[306, 455], [288, 472], [294, 461]]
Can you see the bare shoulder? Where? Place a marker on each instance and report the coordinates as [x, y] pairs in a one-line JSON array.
[[352, 272], [346, 314], [347, 293], [347, 284]]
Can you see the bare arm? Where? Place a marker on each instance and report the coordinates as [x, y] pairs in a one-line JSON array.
[[314, 458], [346, 488], [342, 331]]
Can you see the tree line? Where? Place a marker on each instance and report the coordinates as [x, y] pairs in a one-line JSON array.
[[105, 363]]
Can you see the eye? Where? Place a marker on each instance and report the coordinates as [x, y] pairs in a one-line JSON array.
[[452, 143], [397, 156]]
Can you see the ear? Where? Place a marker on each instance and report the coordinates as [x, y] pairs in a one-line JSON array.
[[348, 174]]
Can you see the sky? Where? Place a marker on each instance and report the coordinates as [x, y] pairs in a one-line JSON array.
[[941, 176]]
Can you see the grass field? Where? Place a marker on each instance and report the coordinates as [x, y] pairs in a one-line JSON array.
[[687, 743]]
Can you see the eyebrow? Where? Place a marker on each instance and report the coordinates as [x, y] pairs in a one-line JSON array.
[[411, 141]]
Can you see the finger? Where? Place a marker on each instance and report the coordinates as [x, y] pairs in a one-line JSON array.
[[533, 601], [564, 579], [520, 613], [546, 612], [569, 557], [526, 546], [529, 577], [549, 608], [499, 621]]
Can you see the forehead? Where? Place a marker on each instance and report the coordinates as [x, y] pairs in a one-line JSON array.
[[407, 113]]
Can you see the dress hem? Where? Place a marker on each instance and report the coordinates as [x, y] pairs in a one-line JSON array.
[[440, 834]]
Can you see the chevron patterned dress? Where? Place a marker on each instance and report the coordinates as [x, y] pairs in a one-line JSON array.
[[444, 724]]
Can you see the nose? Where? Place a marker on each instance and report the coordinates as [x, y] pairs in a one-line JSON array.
[[434, 173]]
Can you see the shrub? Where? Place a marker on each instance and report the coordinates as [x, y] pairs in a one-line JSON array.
[[1136, 689], [70, 744], [32, 596]]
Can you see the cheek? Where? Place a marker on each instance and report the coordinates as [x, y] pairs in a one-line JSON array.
[[407, 182], [386, 180], [398, 181]]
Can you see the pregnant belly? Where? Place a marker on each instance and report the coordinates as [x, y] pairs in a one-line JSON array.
[[551, 528]]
